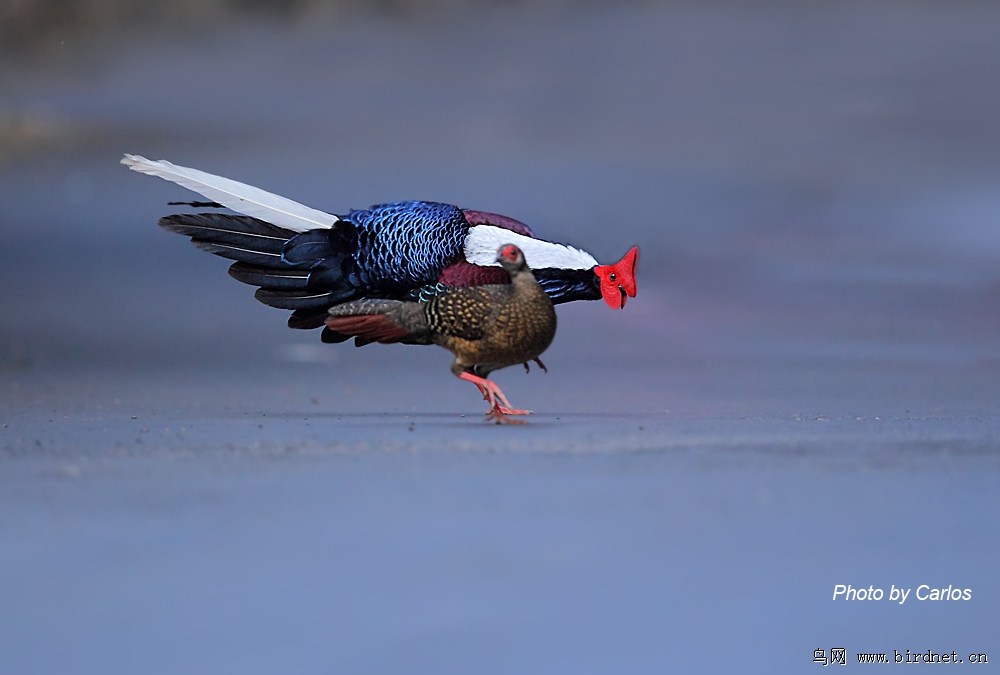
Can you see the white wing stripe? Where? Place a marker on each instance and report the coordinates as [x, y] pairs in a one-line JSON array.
[[482, 243], [239, 197]]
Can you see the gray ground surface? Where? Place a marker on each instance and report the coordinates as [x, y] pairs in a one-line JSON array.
[[804, 393]]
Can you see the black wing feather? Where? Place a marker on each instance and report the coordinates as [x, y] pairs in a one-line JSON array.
[[301, 271], [278, 278], [236, 231]]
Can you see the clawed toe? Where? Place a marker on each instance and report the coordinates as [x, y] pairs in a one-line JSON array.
[[512, 411], [497, 414]]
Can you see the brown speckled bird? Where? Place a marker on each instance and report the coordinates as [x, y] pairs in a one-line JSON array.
[[486, 327]]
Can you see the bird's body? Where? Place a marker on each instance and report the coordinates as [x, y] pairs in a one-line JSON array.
[[486, 327], [415, 272], [492, 327], [308, 261]]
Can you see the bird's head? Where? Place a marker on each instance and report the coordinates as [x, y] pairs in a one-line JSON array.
[[511, 258], [618, 280]]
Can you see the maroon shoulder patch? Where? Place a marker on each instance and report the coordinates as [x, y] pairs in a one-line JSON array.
[[495, 219], [464, 273]]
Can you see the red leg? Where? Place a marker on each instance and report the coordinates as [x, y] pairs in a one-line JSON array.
[[493, 394]]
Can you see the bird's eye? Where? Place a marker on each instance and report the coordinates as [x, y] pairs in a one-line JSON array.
[[613, 276]]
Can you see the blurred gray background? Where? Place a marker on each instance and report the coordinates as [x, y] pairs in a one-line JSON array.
[[803, 393]]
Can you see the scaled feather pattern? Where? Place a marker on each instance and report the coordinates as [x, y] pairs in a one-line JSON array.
[[404, 245]]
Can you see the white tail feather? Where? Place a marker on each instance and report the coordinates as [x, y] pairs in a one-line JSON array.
[[239, 197]]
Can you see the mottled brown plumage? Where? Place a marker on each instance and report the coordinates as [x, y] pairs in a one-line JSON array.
[[486, 327]]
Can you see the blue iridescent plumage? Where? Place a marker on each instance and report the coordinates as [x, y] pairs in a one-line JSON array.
[[404, 245]]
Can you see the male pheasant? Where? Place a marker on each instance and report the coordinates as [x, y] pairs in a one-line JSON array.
[[308, 261], [486, 327]]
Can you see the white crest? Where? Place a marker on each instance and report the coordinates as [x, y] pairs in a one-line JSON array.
[[239, 197], [483, 241]]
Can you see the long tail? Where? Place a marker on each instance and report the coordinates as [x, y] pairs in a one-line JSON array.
[[372, 320], [237, 196], [303, 272]]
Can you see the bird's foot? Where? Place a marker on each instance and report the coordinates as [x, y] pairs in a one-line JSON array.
[[512, 411], [540, 365], [500, 407], [499, 415], [500, 412]]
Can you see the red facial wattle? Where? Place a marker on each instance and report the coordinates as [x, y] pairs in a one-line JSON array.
[[618, 280]]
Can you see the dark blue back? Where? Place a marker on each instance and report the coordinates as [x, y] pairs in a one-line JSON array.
[[404, 245]]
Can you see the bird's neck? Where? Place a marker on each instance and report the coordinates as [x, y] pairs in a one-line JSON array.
[[525, 286], [523, 278]]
